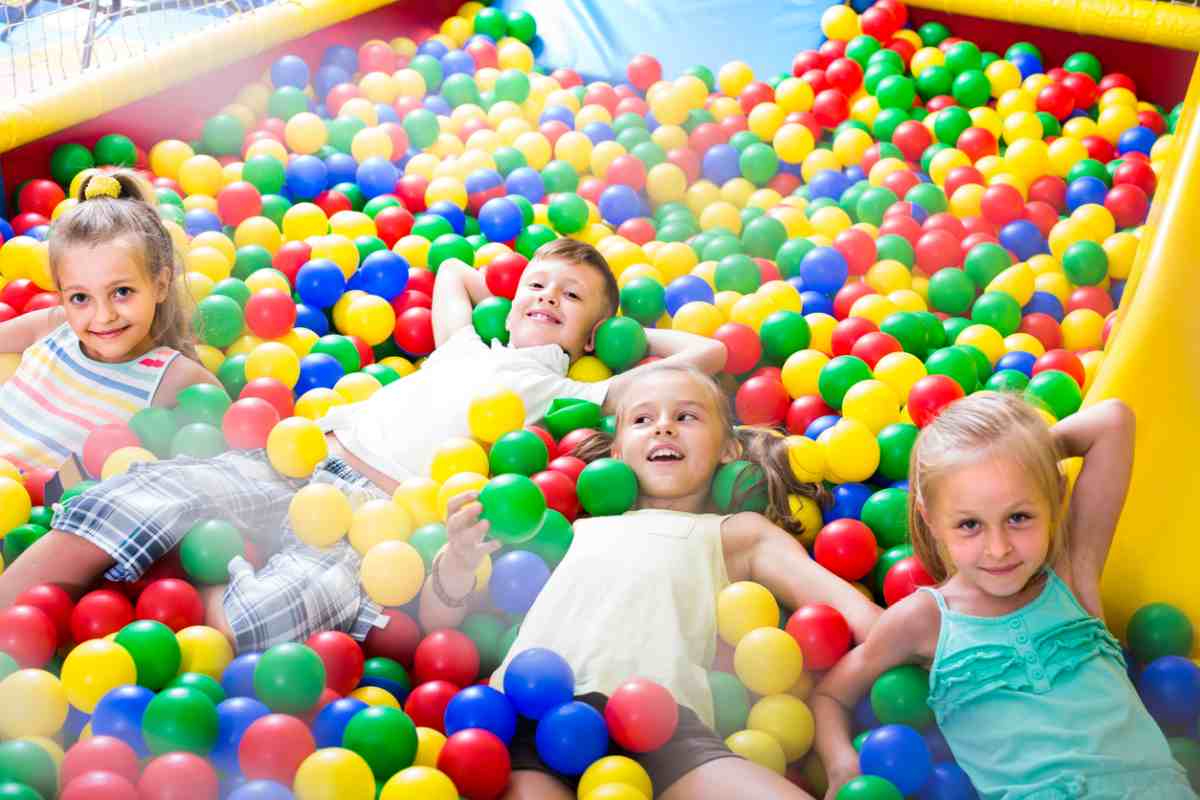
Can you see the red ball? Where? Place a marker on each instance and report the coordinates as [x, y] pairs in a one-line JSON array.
[[331, 201], [590, 188], [28, 635], [1056, 100], [638, 230], [559, 491], [977, 143], [427, 703], [937, 249], [762, 401], [1114, 80], [939, 102], [742, 345], [23, 223], [567, 445], [7, 312], [903, 579], [179, 776], [547, 439], [411, 191], [1138, 173], [290, 257], [822, 633], [568, 465], [960, 176], [753, 94], [411, 298], [477, 761], [397, 641], [1099, 148], [1049, 189], [99, 613], [414, 331], [338, 95], [1151, 119], [274, 391], [36, 480], [873, 346], [785, 183], [929, 396], [1128, 204], [1062, 361], [900, 182], [901, 225], [343, 659], [846, 547], [858, 248], [446, 655], [644, 71], [54, 600], [420, 280], [1041, 214], [831, 108], [484, 53], [687, 160], [1002, 204], [503, 274], [704, 136], [567, 78], [771, 373], [173, 602], [904, 47], [40, 196], [392, 224], [879, 22], [365, 354], [804, 410], [377, 57], [237, 202], [845, 75], [847, 333], [1092, 297], [1082, 87], [642, 715], [273, 747], [100, 753], [98, 785], [103, 441], [847, 296], [1044, 328], [627, 170], [832, 49], [805, 60], [600, 93], [270, 313], [734, 123]]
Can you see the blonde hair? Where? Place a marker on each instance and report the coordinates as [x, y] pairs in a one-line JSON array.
[[968, 431], [103, 218], [764, 447]]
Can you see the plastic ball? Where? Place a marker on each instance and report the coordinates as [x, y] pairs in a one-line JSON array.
[[641, 715], [289, 678], [334, 773], [768, 661], [392, 572], [570, 737]]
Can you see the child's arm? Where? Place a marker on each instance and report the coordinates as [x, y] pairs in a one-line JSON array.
[[18, 334], [906, 632], [456, 290], [757, 550], [679, 347], [1103, 435], [456, 564], [182, 373]]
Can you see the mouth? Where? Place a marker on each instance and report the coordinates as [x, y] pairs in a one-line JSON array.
[[664, 454], [109, 334], [1001, 570], [544, 317]]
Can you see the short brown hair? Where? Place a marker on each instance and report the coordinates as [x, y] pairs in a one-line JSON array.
[[574, 251]]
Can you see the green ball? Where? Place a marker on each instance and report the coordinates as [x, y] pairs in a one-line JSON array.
[[886, 514], [232, 375], [887, 560], [342, 131], [759, 163], [972, 88], [737, 272], [886, 122], [1159, 629], [782, 334], [28, 763], [889, 57], [223, 135], [155, 427], [116, 150], [168, 196], [869, 787], [431, 226], [202, 402], [553, 538], [896, 91], [1085, 263], [720, 246], [376, 204], [743, 139], [460, 89], [861, 48], [234, 288], [489, 318], [289, 678], [385, 737], [155, 652], [908, 329], [955, 364], [485, 631], [985, 261], [388, 675], [512, 85], [836, 378], [607, 487], [286, 102], [521, 25], [382, 373], [1055, 391], [447, 246], [342, 349], [431, 70], [67, 161], [198, 440], [764, 236], [954, 326], [567, 414], [950, 124], [1007, 380], [952, 290], [20, 538], [740, 486], [249, 259], [8, 665], [509, 158], [621, 343], [521, 452], [792, 252], [265, 173], [568, 212], [651, 154], [895, 445], [180, 719], [560, 177], [929, 197], [643, 299], [1023, 47], [205, 684], [171, 213], [218, 321], [849, 199], [421, 125], [900, 696], [731, 702], [872, 204], [1085, 63], [934, 81], [207, 549], [513, 506], [1089, 168], [963, 56], [491, 22], [533, 237], [428, 540], [274, 206], [998, 310]]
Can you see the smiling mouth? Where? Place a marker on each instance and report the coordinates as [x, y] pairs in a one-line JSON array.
[[1000, 570], [109, 334], [542, 316], [664, 453]]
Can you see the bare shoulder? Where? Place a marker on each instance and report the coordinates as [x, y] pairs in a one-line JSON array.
[[914, 622], [182, 373]]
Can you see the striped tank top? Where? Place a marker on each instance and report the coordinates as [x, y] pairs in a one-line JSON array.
[[58, 396]]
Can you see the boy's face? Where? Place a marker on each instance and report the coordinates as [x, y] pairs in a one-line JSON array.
[[557, 302]]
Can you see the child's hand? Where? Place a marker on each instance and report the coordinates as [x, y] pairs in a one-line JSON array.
[[466, 532], [839, 772]]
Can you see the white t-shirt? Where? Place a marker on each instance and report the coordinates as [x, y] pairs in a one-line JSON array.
[[397, 429]]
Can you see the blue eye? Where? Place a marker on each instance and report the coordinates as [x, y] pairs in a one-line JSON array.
[[969, 525], [1019, 517], [78, 299], [124, 292]]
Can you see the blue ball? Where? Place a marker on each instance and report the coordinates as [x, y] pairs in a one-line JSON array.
[[1020, 361], [500, 220], [263, 790], [6, 231], [432, 47], [1116, 290], [340, 168], [948, 781], [290, 70], [76, 721], [527, 182], [119, 714], [382, 273], [311, 318], [329, 76], [864, 714], [849, 499], [342, 56], [1045, 303], [481, 707], [331, 721], [1138, 139], [483, 180], [396, 689], [320, 283], [898, 754], [855, 173], [939, 748], [824, 270], [437, 104], [234, 716], [1024, 239], [558, 114], [39, 232], [1170, 688], [318, 370], [517, 578], [377, 176], [720, 163], [386, 114], [200, 220], [305, 177], [1085, 190], [820, 425], [538, 680], [619, 203], [815, 302], [238, 678], [599, 132], [451, 213], [919, 213], [571, 737], [687, 289], [458, 62], [791, 169], [1027, 63]]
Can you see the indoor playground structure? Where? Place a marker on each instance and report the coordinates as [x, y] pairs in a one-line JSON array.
[[878, 206]]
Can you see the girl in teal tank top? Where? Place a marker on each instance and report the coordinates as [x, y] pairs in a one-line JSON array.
[[1026, 683]]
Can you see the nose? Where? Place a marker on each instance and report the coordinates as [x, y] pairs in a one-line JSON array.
[[105, 311], [665, 425], [997, 545]]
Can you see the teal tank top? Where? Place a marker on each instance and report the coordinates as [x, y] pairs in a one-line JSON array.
[[1037, 705]]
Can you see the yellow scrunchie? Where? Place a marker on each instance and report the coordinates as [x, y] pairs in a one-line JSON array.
[[102, 186]]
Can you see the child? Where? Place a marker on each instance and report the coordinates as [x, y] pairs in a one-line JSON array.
[[126, 524], [120, 341], [1027, 685], [635, 595]]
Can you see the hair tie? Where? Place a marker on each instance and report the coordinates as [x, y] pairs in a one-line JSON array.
[[102, 186]]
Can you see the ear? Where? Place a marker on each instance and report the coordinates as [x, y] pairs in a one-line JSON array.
[[732, 450], [162, 285], [590, 345]]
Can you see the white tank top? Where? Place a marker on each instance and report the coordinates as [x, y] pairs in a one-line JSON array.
[[636, 596]]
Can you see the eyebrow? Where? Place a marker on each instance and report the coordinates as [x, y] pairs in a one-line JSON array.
[[686, 404], [112, 284]]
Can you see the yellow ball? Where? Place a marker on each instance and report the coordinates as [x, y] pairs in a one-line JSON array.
[[378, 521], [457, 455], [850, 145], [1091, 365], [300, 340], [1082, 329], [874, 307], [986, 338], [370, 318], [273, 360], [768, 660], [120, 460], [419, 497], [733, 77], [611, 770], [295, 446], [305, 133], [1064, 153], [614, 791], [900, 371], [765, 119], [333, 773], [316, 402], [946, 160], [1121, 248], [352, 224], [419, 783], [337, 249], [1024, 343], [34, 703], [888, 276], [429, 747], [1003, 75], [320, 514], [840, 22], [793, 94], [14, 504], [742, 607], [873, 403], [514, 54], [260, 231], [205, 650], [494, 414], [807, 513], [806, 459], [93, 668], [821, 326], [698, 317], [801, 371], [210, 357], [166, 157], [752, 310], [9, 470], [357, 386], [209, 262], [392, 572], [1028, 159], [1115, 120], [788, 719], [851, 452], [1016, 282], [268, 278], [757, 746], [304, 220], [589, 369], [1095, 221], [201, 174]]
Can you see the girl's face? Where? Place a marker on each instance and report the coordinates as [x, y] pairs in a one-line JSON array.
[[670, 432], [993, 523], [109, 299]]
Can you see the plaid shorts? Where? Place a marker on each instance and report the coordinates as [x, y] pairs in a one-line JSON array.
[[139, 517]]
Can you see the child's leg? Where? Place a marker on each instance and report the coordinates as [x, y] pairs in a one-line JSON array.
[[528, 784], [732, 777], [214, 610], [57, 557]]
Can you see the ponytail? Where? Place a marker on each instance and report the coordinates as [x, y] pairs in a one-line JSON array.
[[767, 449]]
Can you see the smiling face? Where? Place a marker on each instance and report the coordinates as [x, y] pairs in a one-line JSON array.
[[672, 434], [109, 299], [993, 523], [557, 302]]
